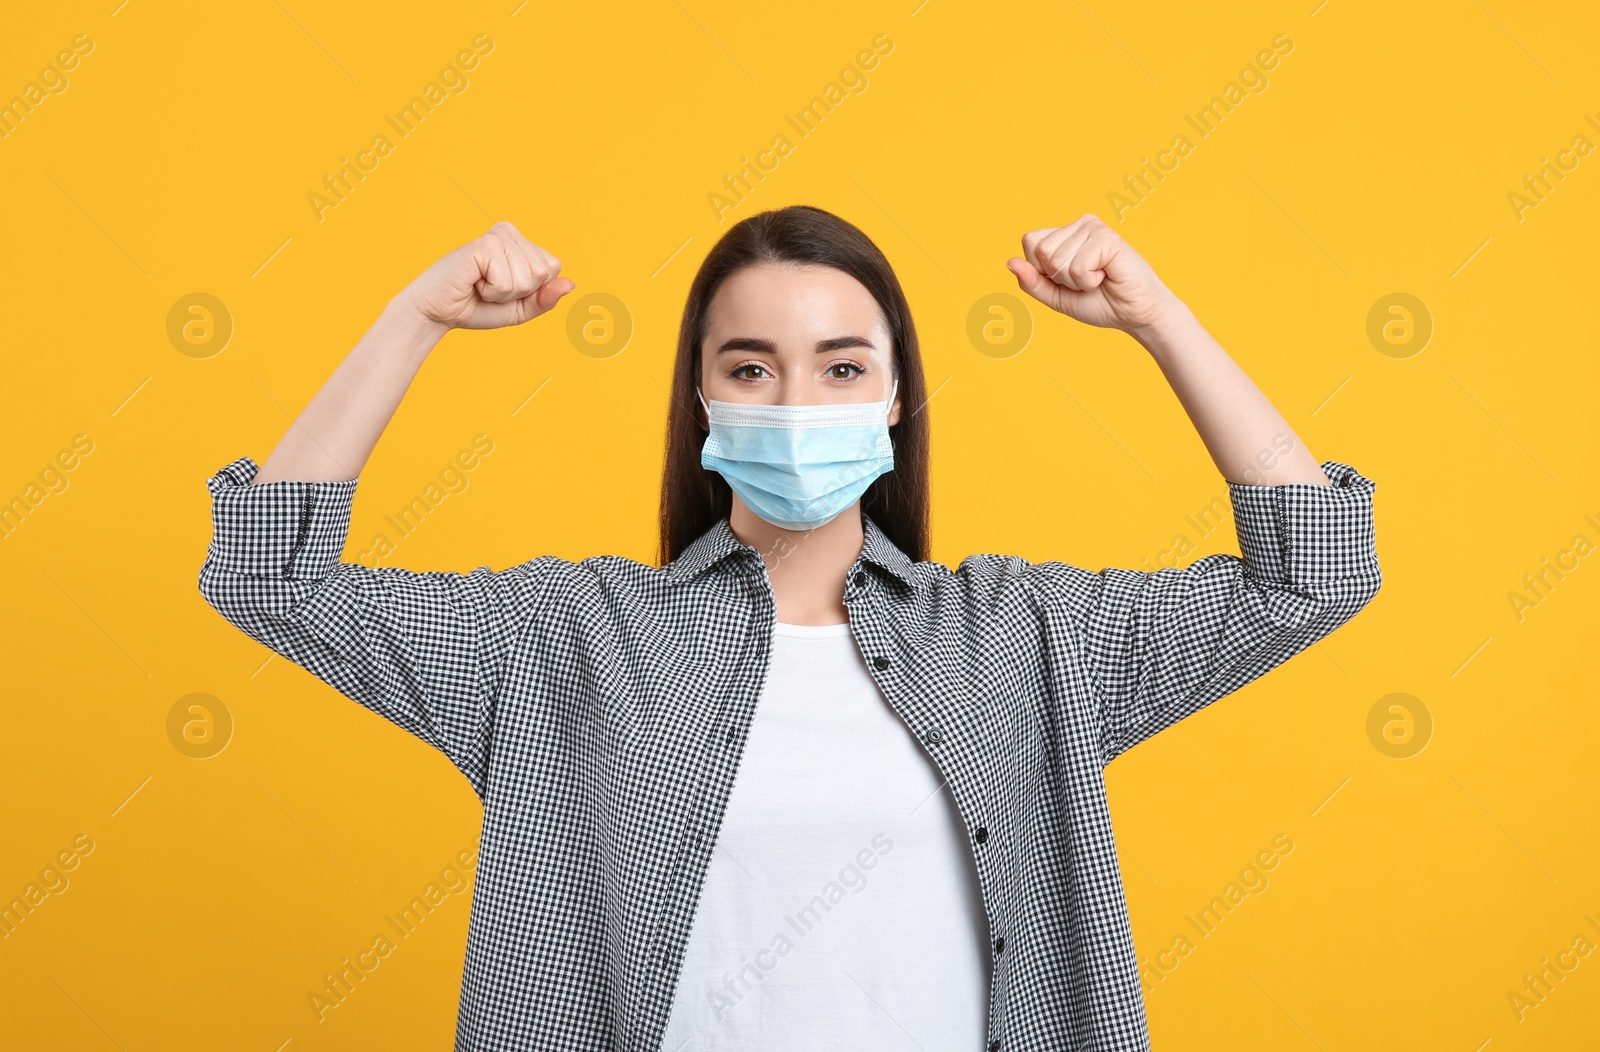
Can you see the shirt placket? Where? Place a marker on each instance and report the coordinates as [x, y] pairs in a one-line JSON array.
[[716, 763], [947, 743]]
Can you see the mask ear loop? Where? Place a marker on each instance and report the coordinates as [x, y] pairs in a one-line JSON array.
[[702, 400]]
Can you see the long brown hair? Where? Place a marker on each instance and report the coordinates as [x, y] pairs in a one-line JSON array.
[[694, 499]]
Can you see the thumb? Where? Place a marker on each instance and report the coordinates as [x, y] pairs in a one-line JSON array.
[[1035, 284], [547, 295]]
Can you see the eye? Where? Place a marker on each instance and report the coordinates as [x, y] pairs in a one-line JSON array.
[[844, 365], [738, 370]]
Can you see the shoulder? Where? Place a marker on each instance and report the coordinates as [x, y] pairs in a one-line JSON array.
[[595, 579], [593, 571], [981, 583], [988, 581]]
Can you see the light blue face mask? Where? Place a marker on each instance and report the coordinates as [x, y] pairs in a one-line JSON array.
[[798, 466]]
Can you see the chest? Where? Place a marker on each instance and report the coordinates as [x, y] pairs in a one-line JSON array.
[[647, 712]]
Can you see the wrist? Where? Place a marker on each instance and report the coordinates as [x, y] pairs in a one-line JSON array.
[[416, 333], [1167, 326]]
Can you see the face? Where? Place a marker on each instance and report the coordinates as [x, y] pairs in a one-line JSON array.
[[780, 334]]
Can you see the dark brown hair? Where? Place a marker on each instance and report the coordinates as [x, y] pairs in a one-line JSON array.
[[694, 499]]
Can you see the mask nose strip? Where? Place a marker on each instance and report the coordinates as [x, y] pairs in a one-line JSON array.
[[887, 409]]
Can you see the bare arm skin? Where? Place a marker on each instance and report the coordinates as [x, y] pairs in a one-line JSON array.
[[498, 279], [1088, 272], [1246, 436]]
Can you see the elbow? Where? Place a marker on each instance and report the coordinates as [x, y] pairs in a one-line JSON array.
[[204, 581], [255, 606], [1366, 584], [242, 599], [219, 595], [1375, 582], [1348, 596]]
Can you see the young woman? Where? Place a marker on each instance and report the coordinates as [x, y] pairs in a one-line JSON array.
[[798, 787]]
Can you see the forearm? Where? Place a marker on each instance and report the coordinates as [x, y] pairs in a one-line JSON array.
[[334, 435], [1248, 438]]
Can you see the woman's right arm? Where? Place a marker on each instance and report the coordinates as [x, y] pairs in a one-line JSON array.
[[499, 279], [426, 651]]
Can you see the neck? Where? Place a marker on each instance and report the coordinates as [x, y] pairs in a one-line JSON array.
[[806, 567]]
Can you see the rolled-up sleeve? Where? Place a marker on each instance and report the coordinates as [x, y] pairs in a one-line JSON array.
[[426, 651], [1160, 645]]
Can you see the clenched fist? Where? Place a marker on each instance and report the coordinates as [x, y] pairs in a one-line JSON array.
[[498, 279], [1086, 271]]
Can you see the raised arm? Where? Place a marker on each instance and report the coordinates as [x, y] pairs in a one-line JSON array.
[[496, 280], [1160, 645], [1088, 272], [427, 651]]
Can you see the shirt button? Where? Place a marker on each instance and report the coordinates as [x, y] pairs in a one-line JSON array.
[[733, 735], [982, 834], [933, 736], [861, 579], [994, 1046], [1000, 944], [880, 662]]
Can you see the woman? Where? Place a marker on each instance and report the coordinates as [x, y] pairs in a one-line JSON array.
[[798, 786]]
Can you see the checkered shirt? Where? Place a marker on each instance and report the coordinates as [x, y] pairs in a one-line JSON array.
[[599, 708]]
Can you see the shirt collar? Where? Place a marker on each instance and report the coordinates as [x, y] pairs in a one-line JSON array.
[[719, 542]]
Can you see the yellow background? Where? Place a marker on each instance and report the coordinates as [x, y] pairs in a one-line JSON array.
[[220, 891]]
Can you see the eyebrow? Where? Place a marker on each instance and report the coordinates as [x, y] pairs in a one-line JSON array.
[[751, 343]]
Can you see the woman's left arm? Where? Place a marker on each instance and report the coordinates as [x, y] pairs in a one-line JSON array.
[[1086, 271], [1160, 645]]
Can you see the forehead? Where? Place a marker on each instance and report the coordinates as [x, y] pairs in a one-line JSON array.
[[803, 302]]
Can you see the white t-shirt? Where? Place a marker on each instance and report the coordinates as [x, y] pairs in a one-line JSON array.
[[842, 903]]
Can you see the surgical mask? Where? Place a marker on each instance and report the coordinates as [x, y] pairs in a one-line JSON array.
[[798, 466]]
